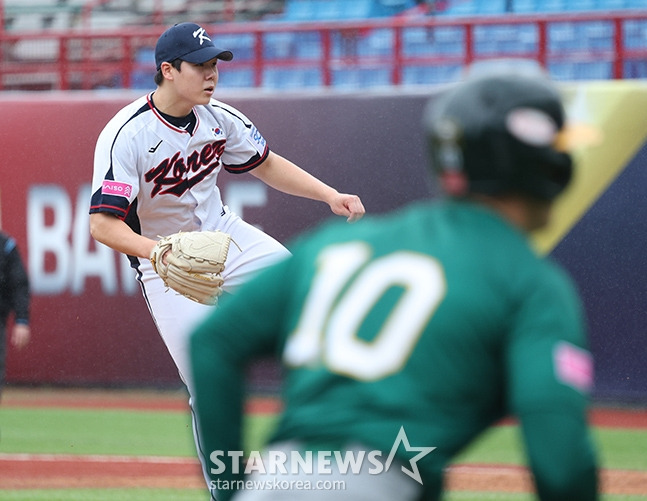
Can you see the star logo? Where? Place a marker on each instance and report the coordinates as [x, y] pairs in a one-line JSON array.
[[422, 452]]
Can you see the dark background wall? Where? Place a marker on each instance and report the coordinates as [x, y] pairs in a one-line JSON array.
[[90, 323]]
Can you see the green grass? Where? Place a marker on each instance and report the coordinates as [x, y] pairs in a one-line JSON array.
[[162, 433], [618, 448], [82, 431], [198, 495], [104, 495], [158, 433], [115, 432], [504, 496]]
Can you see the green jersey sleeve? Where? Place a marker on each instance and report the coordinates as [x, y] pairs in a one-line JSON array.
[[549, 374]]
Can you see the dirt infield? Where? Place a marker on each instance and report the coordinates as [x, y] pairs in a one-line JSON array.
[[37, 471], [31, 471]]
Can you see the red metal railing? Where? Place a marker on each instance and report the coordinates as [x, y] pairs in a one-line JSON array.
[[99, 59]]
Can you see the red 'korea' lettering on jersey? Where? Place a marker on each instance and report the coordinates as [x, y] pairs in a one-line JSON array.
[[175, 175]]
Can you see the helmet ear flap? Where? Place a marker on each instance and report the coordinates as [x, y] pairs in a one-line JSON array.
[[496, 135], [447, 157]]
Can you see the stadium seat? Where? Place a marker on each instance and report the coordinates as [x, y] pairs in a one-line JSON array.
[[358, 9], [140, 79], [552, 5], [378, 43], [442, 40], [564, 36], [393, 7], [525, 6], [611, 4], [597, 35], [145, 55], [375, 77], [579, 5], [635, 34], [571, 70], [361, 78], [488, 7], [291, 78], [561, 71], [600, 70], [635, 69], [431, 75], [327, 10], [279, 45], [505, 39], [345, 78], [460, 8], [299, 10], [236, 79], [308, 45], [240, 44]]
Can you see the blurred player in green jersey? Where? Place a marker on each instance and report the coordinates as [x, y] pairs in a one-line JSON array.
[[406, 336]]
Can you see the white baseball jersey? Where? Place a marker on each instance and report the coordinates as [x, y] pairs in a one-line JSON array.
[[161, 179]]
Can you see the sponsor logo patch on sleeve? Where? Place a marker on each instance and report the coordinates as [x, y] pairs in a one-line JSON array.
[[116, 188], [573, 366]]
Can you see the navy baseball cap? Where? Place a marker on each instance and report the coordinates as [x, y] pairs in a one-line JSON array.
[[188, 42]]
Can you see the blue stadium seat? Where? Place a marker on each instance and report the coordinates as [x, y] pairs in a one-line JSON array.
[[505, 39], [240, 44], [460, 8], [496, 7], [299, 10], [580, 5], [345, 79], [375, 77], [145, 55], [561, 71], [361, 78], [392, 7], [279, 45], [635, 69], [378, 42], [552, 5], [140, 79], [357, 9], [308, 45], [526, 6], [611, 4], [635, 34], [442, 40], [430, 75], [564, 36], [600, 70], [236, 78], [291, 78], [598, 34], [327, 10]]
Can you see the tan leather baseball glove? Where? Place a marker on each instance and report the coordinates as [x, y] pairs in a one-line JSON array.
[[194, 263]]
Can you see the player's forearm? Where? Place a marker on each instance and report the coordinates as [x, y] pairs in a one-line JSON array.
[[117, 235], [561, 455], [285, 176]]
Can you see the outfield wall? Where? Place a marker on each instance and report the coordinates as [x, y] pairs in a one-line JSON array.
[[90, 324]]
